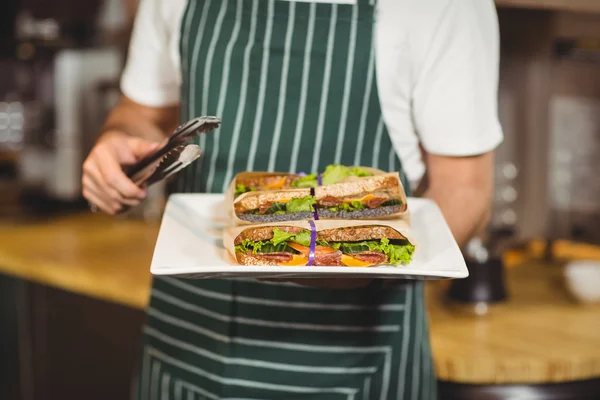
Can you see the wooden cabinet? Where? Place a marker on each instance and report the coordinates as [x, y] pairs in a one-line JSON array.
[[71, 346], [9, 354]]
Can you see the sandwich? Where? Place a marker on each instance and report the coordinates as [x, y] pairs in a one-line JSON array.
[[351, 246], [260, 181], [371, 197]]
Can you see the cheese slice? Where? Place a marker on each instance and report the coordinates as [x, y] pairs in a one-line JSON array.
[[353, 262], [297, 261], [363, 200], [299, 247], [276, 185]]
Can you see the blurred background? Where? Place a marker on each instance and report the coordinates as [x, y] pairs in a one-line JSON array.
[[73, 286]]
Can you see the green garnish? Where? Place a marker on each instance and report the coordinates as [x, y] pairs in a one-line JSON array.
[[401, 251], [333, 174], [298, 204], [355, 171], [280, 236], [397, 253], [276, 208], [278, 241], [352, 206], [306, 181], [301, 204], [393, 202], [263, 246], [241, 189], [302, 237]]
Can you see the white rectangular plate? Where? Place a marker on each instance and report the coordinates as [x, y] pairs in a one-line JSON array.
[[189, 245]]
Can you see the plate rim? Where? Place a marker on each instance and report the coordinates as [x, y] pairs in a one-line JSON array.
[[232, 270]]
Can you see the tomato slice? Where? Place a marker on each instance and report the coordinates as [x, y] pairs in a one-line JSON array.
[[323, 250], [306, 250]]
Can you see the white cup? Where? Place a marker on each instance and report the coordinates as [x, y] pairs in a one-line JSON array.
[[583, 280]]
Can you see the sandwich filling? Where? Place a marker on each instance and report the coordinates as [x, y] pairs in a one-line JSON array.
[[366, 198], [353, 247], [332, 174], [330, 203]]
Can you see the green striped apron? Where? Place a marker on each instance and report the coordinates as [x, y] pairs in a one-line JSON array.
[[295, 85]]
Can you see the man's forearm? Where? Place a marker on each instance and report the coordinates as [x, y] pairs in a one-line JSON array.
[[467, 210], [463, 188], [145, 122]]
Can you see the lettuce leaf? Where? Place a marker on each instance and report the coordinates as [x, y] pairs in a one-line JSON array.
[[263, 247], [400, 252], [335, 173], [241, 189], [353, 206], [301, 204], [254, 246], [277, 243], [306, 181], [355, 171], [303, 238], [276, 208], [397, 253], [280, 236], [392, 202]]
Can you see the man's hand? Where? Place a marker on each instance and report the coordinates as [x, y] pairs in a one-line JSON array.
[[132, 131], [105, 185]]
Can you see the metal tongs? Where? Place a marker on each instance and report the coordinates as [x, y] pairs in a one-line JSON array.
[[174, 155], [171, 163]]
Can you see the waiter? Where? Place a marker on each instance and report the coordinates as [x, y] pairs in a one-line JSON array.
[[401, 85]]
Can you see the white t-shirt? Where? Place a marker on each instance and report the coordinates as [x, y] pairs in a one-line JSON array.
[[437, 72]]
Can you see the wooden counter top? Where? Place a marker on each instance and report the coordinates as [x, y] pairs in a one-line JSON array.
[[538, 336], [90, 254]]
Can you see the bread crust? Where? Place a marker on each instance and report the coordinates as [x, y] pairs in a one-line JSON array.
[[359, 233], [253, 259], [264, 233], [267, 179]]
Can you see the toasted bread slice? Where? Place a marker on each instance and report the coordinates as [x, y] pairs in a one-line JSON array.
[[387, 186], [347, 234]]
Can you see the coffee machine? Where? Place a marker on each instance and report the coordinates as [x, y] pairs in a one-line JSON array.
[[76, 104], [58, 80]]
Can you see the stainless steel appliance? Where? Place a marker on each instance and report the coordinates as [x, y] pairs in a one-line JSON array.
[[52, 158], [57, 71]]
